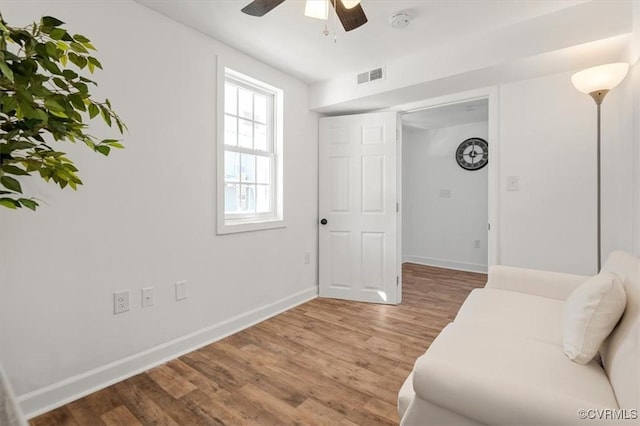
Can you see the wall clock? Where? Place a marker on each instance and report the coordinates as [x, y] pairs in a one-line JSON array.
[[473, 154]]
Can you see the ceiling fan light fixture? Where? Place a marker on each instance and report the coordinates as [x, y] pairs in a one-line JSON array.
[[350, 4], [318, 9]]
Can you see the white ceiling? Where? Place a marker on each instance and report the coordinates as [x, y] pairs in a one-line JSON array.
[[455, 114], [286, 39]]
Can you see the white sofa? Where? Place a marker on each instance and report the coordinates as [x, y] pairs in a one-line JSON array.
[[501, 361]]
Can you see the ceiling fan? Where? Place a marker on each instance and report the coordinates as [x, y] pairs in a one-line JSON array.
[[349, 12]]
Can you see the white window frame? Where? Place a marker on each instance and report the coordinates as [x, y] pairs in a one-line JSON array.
[[233, 222]]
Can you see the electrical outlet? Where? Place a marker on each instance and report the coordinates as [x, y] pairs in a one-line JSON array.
[[307, 257], [147, 297], [121, 301], [476, 243], [181, 290]]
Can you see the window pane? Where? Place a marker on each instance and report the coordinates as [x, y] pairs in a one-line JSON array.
[[245, 104], [245, 133], [260, 108], [231, 198], [230, 130], [230, 99], [263, 170], [260, 137], [248, 198], [248, 167], [231, 166], [263, 199]]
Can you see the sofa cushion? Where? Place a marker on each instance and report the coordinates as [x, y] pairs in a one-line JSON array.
[[590, 313], [522, 314], [405, 396], [500, 378]]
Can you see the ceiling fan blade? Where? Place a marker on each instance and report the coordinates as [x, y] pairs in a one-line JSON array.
[[260, 7], [350, 18]]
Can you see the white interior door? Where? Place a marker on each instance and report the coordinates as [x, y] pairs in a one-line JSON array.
[[359, 253]]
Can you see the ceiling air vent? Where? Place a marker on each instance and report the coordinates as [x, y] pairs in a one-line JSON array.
[[369, 76], [363, 77], [375, 74]]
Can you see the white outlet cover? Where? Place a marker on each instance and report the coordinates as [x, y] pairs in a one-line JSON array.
[[121, 301]]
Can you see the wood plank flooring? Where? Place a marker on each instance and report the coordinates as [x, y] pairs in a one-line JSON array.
[[326, 362]]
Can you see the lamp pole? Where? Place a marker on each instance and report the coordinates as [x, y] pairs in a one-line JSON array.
[[598, 97]]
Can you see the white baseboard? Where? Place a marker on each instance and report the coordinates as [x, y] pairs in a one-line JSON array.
[[449, 264], [57, 394]]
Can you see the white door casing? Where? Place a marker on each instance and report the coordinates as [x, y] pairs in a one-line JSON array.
[[359, 251]]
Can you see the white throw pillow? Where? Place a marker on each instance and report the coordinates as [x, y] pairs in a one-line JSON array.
[[590, 313]]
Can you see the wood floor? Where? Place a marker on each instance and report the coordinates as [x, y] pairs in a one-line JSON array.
[[326, 362]]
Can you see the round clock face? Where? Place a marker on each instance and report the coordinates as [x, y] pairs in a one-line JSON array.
[[473, 154]]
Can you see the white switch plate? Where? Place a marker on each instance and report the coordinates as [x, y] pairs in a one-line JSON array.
[[147, 297], [181, 290], [513, 183], [307, 257], [476, 243], [445, 193]]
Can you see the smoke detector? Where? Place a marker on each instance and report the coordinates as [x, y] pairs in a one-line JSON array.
[[399, 20]]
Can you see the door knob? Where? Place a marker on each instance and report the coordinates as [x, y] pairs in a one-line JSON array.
[[323, 221]]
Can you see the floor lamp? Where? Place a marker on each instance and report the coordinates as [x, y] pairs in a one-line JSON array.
[[597, 82]]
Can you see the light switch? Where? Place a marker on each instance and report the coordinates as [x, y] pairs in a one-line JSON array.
[[181, 290], [513, 183]]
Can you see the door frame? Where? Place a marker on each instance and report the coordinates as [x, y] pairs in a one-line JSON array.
[[492, 96]]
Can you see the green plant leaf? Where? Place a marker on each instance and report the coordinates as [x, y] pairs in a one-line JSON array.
[[50, 21], [106, 116], [77, 47], [13, 170], [103, 149], [10, 183], [94, 61], [58, 34], [6, 71], [60, 83], [53, 105], [93, 110], [69, 75], [80, 38], [77, 60], [28, 203], [9, 203]]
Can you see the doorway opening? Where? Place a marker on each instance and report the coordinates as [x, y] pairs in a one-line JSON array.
[[445, 186]]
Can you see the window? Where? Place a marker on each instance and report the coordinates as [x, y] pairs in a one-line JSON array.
[[250, 155]]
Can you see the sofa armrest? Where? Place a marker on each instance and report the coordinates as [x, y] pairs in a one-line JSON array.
[[553, 285], [492, 400]]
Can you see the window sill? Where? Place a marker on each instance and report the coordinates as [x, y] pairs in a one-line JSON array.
[[229, 227]]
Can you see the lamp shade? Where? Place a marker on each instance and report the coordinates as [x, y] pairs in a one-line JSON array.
[[318, 9], [602, 77], [350, 4]]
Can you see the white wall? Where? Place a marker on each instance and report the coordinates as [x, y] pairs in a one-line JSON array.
[[146, 217], [441, 231], [547, 139]]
